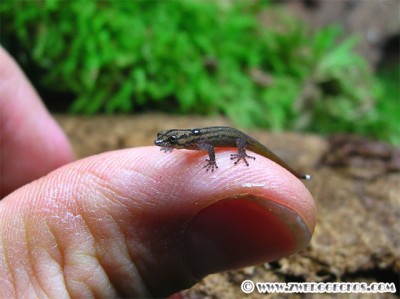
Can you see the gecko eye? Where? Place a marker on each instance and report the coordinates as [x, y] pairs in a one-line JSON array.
[[172, 139]]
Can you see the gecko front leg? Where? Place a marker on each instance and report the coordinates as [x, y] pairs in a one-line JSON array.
[[211, 162]]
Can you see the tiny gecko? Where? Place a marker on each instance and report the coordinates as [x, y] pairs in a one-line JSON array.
[[206, 139]]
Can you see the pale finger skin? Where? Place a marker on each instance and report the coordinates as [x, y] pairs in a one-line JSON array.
[[31, 142], [142, 223]]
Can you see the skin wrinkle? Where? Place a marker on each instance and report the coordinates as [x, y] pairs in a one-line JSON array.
[[85, 229], [85, 276], [129, 267], [89, 232], [32, 251], [172, 186], [120, 199], [83, 174], [55, 220], [8, 268], [39, 285], [109, 183], [132, 172], [107, 198], [17, 269], [197, 190], [143, 287], [136, 170], [60, 261], [149, 181], [53, 260], [104, 277], [121, 247], [82, 286], [146, 289], [7, 285], [125, 266], [63, 197], [116, 200], [30, 267]]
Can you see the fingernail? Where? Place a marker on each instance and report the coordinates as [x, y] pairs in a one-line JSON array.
[[235, 233]]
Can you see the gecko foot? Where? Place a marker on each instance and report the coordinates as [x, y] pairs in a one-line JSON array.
[[166, 149], [211, 164], [241, 156]]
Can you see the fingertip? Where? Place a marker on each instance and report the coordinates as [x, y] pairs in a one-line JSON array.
[[245, 215]]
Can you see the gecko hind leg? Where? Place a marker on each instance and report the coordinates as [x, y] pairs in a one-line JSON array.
[[241, 154]]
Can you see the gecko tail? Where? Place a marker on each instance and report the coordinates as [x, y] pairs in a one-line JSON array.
[[305, 177]]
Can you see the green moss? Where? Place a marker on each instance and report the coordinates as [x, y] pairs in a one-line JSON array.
[[188, 56]]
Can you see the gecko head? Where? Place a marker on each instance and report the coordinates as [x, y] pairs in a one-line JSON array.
[[172, 138]]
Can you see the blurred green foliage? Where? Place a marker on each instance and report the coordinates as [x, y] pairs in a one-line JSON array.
[[206, 57], [387, 126]]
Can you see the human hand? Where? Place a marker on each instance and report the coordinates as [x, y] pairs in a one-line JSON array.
[[135, 222]]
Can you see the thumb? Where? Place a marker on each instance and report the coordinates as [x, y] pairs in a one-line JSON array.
[[139, 222]]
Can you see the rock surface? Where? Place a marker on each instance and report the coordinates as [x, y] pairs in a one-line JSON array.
[[357, 236]]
